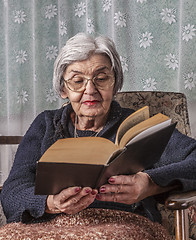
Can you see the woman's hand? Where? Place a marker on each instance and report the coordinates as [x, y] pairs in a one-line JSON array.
[[70, 200], [129, 189]]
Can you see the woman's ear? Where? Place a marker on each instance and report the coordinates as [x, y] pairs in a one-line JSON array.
[[64, 94]]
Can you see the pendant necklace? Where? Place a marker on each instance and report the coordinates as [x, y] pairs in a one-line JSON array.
[[95, 134]]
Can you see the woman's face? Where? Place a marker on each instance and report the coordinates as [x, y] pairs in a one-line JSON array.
[[92, 102]]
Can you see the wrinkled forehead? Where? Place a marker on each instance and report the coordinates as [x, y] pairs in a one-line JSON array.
[[95, 63]]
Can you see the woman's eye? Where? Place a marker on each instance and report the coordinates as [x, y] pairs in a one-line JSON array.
[[102, 78], [77, 80]]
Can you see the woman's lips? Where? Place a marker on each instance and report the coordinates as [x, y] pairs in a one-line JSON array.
[[90, 103]]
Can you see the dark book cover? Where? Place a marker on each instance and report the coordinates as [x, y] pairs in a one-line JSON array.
[[53, 177]]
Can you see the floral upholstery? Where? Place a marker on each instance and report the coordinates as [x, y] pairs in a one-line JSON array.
[[173, 105]]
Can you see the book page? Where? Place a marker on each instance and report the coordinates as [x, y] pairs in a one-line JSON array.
[[135, 118], [135, 130], [150, 131], [84, 150]]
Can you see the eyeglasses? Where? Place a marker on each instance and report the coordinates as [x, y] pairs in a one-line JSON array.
[[78, 83]]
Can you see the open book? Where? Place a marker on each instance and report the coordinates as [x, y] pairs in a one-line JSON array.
[[90, 161]]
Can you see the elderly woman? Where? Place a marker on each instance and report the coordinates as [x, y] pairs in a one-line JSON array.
[[88, 72]]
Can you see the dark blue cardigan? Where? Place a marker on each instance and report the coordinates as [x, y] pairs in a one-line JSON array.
[[177, 164]]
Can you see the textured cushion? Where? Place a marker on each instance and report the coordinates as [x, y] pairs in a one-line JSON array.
[[89, 224]]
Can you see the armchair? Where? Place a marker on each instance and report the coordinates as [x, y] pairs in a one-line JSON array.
[[173, 105]]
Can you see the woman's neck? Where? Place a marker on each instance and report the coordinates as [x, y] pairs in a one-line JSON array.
[[88, 123]]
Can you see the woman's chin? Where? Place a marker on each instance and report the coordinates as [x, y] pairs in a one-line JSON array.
[[93, 112]]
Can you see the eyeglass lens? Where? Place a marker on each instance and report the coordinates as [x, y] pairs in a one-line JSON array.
[[79, 82]]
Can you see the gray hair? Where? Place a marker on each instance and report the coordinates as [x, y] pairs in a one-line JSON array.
[[81, 47]]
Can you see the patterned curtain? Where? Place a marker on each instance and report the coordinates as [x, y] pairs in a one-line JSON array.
[[156, 41]]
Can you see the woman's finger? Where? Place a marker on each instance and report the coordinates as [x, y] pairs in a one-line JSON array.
[[83, 203], [53, 203], [127, 189], [66, 194], [122, 179], [113, 188], [116, 197], [67, 198], [74, 199]]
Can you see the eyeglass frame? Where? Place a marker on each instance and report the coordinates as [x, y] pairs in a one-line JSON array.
[[88, 79]]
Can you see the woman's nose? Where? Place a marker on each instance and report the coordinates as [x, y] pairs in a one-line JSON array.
[[90, 87]]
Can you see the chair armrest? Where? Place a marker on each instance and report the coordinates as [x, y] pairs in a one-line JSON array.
[[180, 200], [10, 139]]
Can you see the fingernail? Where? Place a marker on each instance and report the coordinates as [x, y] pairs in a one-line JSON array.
[[102, 189], [94, 192], [111, 180], [87, 190], [77, 189], [98, 197]]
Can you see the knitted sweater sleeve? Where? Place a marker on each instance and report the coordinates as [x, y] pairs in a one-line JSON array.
[[177, 164], [17, 195]]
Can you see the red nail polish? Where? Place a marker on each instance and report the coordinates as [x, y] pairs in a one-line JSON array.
[[98, 197], [94, 192], [87, 190], [102, 189], [77, 189], [111, 180]]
